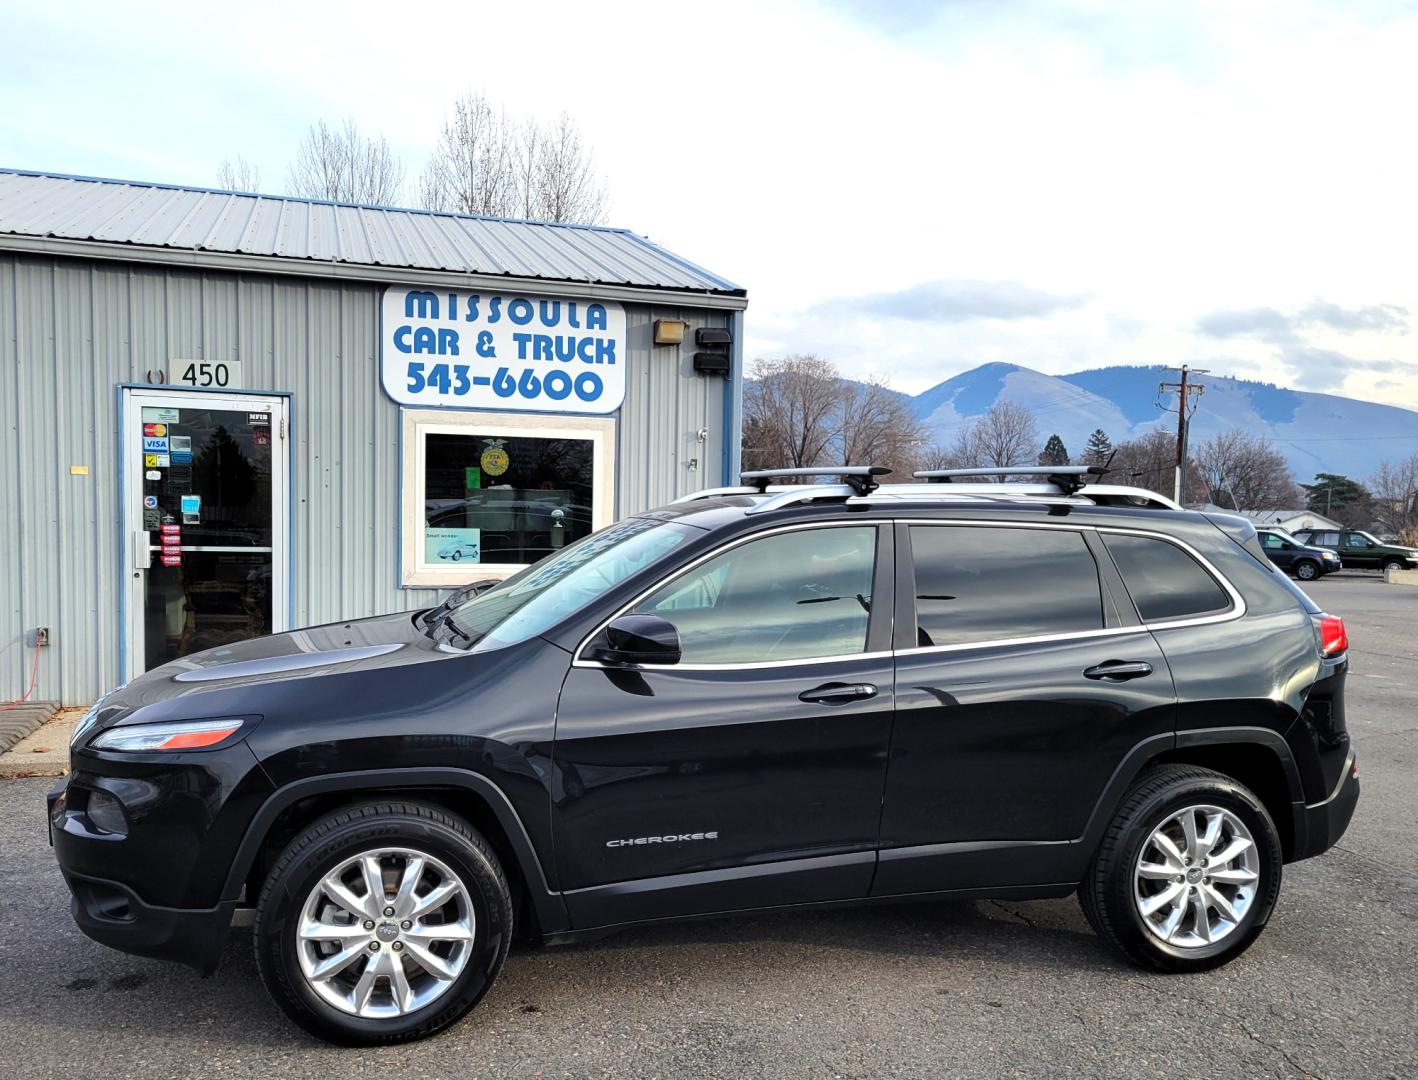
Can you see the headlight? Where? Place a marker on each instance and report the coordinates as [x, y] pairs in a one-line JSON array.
[[85, 722], [185, 735]]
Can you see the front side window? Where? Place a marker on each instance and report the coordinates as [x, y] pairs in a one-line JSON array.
[[1164, 581], [981, 584], [1358, 540], [789, 596], [1272, 542]]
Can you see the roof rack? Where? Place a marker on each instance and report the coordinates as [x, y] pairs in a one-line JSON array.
[[860, 478], [1067, 478], [1060, 484]]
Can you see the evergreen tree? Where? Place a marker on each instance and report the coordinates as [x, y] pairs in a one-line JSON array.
[[1099, 448], [1340, 499], [1054, 452]]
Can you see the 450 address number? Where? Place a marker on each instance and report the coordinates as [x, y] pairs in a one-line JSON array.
[[455, 379]]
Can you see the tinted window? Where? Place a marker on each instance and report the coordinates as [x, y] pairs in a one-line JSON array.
[[1325, 539], [986, 584], [1164, 581], [785, 597]]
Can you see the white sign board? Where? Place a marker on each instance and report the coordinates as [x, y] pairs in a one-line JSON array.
[[208, 374], [502, 351]]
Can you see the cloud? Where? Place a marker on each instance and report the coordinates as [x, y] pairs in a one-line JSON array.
[[1269, 324], [1260, 321], [959, 301], [1380, 318]]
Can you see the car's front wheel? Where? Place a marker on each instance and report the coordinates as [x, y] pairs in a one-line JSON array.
[[1394, 564], [1187, 873], [383, 923], [1307, 570]]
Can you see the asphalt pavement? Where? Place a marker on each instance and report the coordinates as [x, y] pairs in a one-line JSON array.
[[929, 990]]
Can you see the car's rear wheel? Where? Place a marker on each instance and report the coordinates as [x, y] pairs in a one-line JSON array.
[[1188, 872], [1307, 570], [383, 923]]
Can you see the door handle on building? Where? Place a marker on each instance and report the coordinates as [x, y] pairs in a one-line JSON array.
[[142, 550]]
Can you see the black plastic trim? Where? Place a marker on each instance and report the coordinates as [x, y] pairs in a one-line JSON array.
[[551, 910]]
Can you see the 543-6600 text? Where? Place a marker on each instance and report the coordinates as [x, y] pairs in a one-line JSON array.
[[455, 379]]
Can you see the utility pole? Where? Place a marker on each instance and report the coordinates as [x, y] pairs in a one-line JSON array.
[[1185, 391]]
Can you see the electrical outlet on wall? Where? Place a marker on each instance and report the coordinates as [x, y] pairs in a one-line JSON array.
[[39, 636]]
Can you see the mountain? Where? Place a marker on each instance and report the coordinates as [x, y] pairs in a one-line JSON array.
[[1315, 432]]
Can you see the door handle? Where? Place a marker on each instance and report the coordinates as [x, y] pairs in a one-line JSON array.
[[1118, 670], [837, 693]]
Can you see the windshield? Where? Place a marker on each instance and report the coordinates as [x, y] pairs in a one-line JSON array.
[[529, 602]]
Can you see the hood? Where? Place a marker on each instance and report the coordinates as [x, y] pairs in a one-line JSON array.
[[334, 648]]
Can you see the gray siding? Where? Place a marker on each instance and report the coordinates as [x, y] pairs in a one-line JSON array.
[[72, 330]]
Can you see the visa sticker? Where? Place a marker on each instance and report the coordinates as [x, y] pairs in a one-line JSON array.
[[155, 444]]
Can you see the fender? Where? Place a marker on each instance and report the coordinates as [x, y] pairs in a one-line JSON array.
[[1137, 758], [551, 909]]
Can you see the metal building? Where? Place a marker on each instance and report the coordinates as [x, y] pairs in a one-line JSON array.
[[227, 414]]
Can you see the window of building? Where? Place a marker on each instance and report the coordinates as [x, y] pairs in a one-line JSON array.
[[789, 596], [1163, 580], [976, 584], [487, 494]]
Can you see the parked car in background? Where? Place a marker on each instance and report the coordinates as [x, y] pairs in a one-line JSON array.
[[1361, 550], [1302, 560]]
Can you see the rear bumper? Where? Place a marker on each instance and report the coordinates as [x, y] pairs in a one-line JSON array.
[[1318, 826]]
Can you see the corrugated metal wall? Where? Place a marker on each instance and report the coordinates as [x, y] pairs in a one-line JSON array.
[[72, 330]]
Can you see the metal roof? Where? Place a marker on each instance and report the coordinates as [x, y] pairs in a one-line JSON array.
[[312, 231]]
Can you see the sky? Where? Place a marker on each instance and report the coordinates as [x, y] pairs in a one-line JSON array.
[[909, 189]]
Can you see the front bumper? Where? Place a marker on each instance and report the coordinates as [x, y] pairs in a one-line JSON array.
[[113, 914], [1318, 826]]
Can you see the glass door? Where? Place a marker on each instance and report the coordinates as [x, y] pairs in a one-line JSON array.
[[204, 480]]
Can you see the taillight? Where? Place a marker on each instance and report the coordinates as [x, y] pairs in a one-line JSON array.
[[1334, 641]]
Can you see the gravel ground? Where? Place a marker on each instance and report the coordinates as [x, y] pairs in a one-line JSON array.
[[979, 989]]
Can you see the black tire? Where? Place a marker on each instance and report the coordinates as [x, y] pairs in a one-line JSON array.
[[457, 554], [1307, 569], [1394, 564], [1108, 890], [323, 846]]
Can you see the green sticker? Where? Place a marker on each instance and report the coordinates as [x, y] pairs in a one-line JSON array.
[[472, 478]]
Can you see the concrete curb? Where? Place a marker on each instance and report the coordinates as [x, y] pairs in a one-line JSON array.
[[20, 721], [45, 751]]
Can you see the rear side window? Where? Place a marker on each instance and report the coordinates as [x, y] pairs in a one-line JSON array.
[[1164, 581], [976, 584]]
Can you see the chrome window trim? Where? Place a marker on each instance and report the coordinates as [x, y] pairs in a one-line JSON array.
[[1236, 611]]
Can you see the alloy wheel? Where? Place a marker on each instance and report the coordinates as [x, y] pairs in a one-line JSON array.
[[1196, 876], [385, 933]]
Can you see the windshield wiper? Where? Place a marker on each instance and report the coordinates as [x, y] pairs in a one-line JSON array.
[[434, 616]]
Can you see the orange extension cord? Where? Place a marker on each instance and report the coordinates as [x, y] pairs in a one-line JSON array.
[[34, 677]]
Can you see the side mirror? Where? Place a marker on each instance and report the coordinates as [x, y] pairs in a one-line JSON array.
[[637, 639], [1287, 545]]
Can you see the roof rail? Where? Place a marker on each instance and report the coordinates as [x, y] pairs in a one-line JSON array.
[[860, 478], [1067, 478]]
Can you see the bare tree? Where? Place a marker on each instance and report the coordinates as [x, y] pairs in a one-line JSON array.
[[1005, 435], [799, 413], [565, 186], [937, 456], [486, 164], [238, 175], [1244, 472], [1151, 462], [878, 428], [344, 165], [1395, 492], [476, 167], [791, 412]]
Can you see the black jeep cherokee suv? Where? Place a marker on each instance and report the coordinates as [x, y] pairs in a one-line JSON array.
[[813, 694]]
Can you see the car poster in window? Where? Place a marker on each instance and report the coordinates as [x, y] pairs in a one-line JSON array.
[[480, 350], [452, 545]]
